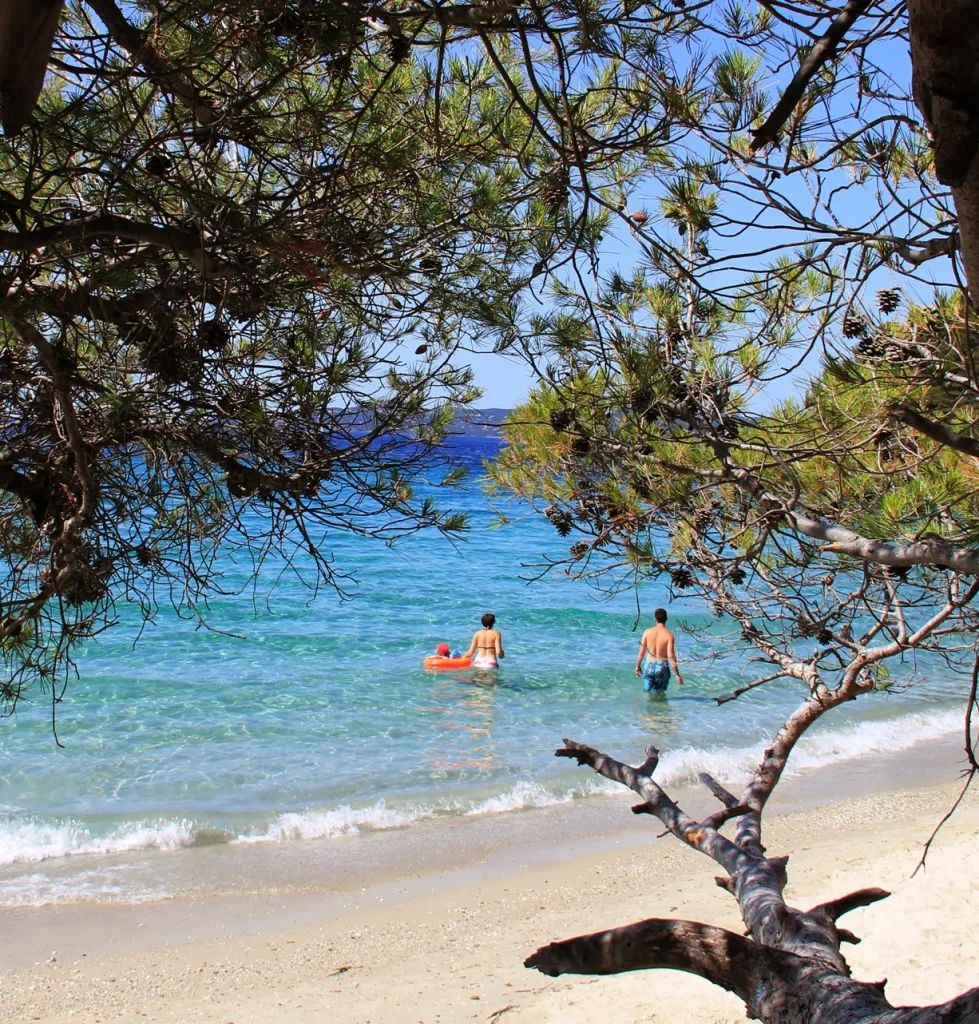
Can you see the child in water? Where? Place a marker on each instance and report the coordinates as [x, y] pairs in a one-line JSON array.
[[443, 651]]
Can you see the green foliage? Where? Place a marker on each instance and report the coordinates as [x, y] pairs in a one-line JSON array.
[[246, 249]]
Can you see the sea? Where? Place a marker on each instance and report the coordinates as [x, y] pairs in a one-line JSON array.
[[301, 721]]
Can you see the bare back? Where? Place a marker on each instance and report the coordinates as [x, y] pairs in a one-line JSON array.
[[486, 642], [659, 643]]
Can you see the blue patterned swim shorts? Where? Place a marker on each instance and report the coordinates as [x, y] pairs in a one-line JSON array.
[[655, 675]]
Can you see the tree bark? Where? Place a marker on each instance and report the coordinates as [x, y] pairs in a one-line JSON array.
[[945, 83], [27, 29]]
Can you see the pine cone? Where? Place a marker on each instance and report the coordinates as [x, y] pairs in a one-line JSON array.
[[581, 445], [561, 419], [213, 335], [681, 578], [399, 48], [159, 165], [642, 400], [172, 358], [854, 327], [560, 519], [86, 582], [825, 637], [736, 575], [578, 550], [588, 510], [147, 555], [888, 299], [870, 347], [553, 188]]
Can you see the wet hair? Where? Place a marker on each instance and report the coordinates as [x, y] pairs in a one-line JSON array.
[[660, 615], [487, 620]]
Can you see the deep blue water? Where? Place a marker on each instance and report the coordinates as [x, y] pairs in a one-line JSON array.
[[322, 721]]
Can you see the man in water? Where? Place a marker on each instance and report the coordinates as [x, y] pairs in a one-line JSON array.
[[657, 654], [487, 645]]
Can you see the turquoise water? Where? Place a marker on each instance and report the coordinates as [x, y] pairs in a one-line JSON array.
[[321, 721]]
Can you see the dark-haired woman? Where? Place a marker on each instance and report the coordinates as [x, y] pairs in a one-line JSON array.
[[487, 646]]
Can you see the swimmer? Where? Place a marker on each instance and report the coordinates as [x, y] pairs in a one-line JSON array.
[[487, 646], [444, 651], [657, 654]]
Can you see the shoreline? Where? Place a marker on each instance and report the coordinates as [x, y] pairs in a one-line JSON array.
[[379, 843], [410, 931]]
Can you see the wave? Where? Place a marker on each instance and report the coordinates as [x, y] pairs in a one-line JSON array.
[[525, 795], [346, 820], [337, 821], [29, 841], [815, 750]]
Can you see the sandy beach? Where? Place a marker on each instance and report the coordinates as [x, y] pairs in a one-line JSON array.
[[449, 947]]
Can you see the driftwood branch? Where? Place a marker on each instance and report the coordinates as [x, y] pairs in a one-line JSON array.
[[788, 967], [723, 957], [835, 909], [655, 801]]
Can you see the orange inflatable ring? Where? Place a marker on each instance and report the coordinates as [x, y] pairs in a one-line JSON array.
[[440, 661]]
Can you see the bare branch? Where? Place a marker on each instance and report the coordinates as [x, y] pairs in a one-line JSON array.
[[723, 957], [140, 46], [821, 52], [102, 225], [905, 414], [835, 909]]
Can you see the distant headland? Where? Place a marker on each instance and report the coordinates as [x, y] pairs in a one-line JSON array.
[[479, 422]]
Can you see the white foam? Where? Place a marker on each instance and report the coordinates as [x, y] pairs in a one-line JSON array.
[[38, 889], [863, 738], [521, 796], [815, 750], [30, 841], [337, 821]]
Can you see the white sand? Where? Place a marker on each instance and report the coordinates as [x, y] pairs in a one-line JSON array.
[[457, 955]]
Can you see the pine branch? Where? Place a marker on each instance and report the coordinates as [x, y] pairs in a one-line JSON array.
[[822, 51]]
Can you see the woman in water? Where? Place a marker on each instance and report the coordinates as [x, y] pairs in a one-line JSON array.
[[487, 646]]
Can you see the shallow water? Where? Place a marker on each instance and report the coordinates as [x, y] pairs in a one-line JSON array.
[[322, 722]]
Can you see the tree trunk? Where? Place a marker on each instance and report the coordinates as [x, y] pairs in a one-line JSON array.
[[788, 967], [945, 83], [27, 29]]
